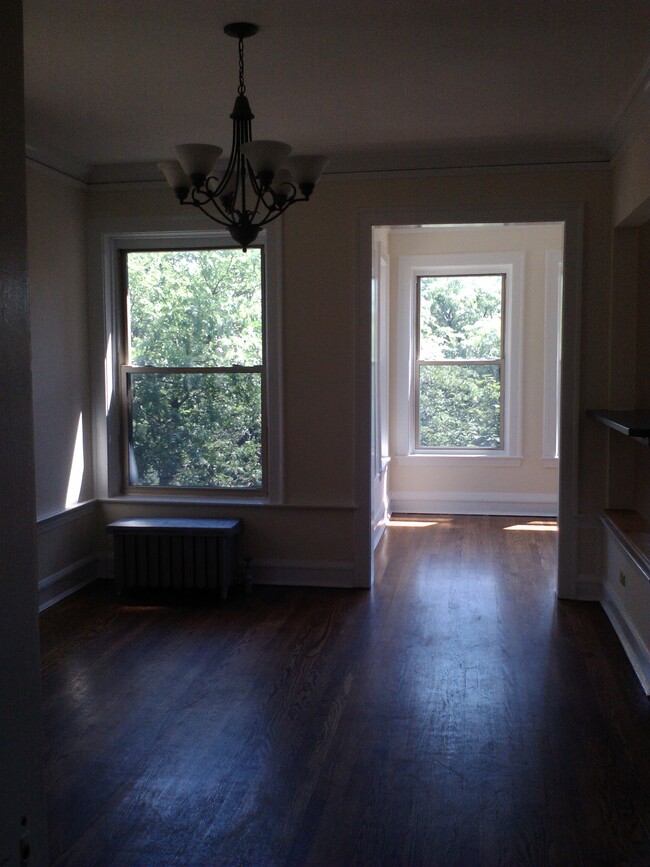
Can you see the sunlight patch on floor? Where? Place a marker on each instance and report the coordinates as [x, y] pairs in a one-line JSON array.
[[405, 522], [539, 526]]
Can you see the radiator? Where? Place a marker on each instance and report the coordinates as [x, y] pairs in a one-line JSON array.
[[175, 554]]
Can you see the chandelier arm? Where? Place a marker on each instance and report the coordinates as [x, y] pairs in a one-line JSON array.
[[230, 168], [259, 193], [273, 215], [279, 210], [194, 204], [195, 197], [273, 208], [229, 218]]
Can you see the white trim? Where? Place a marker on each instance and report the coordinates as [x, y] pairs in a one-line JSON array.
[[477, 503], [552, 352], [199, 502], [107, 239], [55, 520], [64, 167], [478, 461], [66, 581], [635, 649], [374, 163], [409, 269], [62, 177], [379, 522], [304, 573]]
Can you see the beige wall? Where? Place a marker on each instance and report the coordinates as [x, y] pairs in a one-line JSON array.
[[320, 262], [631, 182], [533, 478], [60, 361], [67, 536]]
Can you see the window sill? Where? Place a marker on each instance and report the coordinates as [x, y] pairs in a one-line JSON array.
[[458, 460], [186, 499]]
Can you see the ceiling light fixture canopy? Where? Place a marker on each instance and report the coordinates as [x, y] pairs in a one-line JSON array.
[[260, 181]]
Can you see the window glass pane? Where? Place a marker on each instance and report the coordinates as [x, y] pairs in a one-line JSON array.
[[460, 317], [459, 406], [196, 430], [195, 308]]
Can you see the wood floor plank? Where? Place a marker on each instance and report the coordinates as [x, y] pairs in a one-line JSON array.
[[457, 714]]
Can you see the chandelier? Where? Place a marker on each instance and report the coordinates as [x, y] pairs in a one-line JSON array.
[[260, 181]]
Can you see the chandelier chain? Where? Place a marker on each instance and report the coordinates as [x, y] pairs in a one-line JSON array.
[[242, 87]]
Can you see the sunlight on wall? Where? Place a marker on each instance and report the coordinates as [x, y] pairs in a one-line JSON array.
[[539, 526], [108, 373], [77, 468]]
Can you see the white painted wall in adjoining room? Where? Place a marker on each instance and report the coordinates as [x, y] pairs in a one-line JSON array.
[[526, 484]]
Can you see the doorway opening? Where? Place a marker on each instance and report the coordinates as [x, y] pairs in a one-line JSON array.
[[471, 312]]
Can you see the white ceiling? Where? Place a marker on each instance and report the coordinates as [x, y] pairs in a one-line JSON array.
[[374, 83]]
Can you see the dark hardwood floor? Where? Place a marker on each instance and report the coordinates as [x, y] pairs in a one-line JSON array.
[[457, 714]]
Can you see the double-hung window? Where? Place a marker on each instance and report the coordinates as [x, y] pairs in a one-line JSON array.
[[459, 358], [460, 361], [193, 371]]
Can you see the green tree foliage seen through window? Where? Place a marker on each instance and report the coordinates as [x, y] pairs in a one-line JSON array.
[[196, 329], [460, 335]]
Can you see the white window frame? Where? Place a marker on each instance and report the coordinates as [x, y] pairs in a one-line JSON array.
[[552, 357], [512, 264], [109, 464]]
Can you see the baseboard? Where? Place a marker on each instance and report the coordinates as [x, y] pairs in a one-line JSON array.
[[304, 573], [66, 581], [56, 520], [636, 651], [482, 503], [379, 524]]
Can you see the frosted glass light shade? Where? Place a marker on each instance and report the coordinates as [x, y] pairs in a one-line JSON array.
[[282, 186], [282, 177], [176, 177], [198, 160], [265, 157], [306, 169]]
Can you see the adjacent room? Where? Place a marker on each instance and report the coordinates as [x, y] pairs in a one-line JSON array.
[[325, 479], [466, 398]]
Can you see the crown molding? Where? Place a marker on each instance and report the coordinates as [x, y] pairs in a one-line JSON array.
[[461, 156], [66, 168], [110, 174], [367, 163]]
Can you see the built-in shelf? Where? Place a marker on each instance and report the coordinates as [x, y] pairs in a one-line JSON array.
[[633, 423], [633, 534]]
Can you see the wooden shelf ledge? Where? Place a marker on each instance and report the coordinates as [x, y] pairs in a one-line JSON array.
[[633, 533], [633, 423]]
